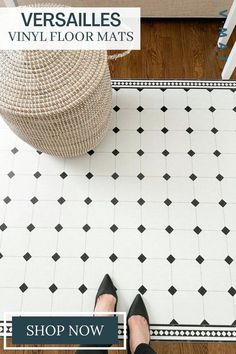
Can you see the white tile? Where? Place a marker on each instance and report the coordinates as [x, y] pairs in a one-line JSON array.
[[88, 300], [227, 164], [176, 119], [128, 141], [26, 162], [49, 187], [107, 144], [151, 119], [176, 98], [226, 142], [153, 164], [207, 190], [4, 184], [15, 242], [152, 141], [222, 99], [8, 139], [186, 275], [188, 309], [22, 187], [224, 121], [10, 301], [206, 241], [229, 189], [203, 142], [163, 312], [6, 162], [39, 272], [128, 280], [127, 98], [205, 165], [73, 214], [100, 214], [154, 189], [71, 243], [128, 119], [102, 164], [18, 214], [77, 165], [126, 298], [177, 141], [31, 301], [199, 99], [50, 165], [95, 269], [152, 98], [162, 270], [127, 164], [215, 275], [184, 244], [69, 273], [156, 244], [201, 119], [180, 189], [46, 214], [210, 216], [127, 243], [154, 215], [61, 303], [100, 188], [218, 308], [99, 243], [179, 165], [230, 210], [182, 216], [127, 214], [12, 272], [128, 188], [43, 242], [75, 188]]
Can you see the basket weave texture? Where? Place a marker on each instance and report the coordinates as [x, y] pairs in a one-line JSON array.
[[57, 101]]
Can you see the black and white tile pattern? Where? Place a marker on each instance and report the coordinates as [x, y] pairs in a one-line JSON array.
[[153, 205]]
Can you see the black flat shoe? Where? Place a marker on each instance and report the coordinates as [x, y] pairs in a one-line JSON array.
[[137, 308], [106, 287]]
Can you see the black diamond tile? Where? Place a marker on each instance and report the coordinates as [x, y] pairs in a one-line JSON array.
[[3, 227], [115, 152], [89, 175], [173, 322], [198, 230], [61, 200], [141, 201], [165, 153], [84, 257], [202, 291], [168, 202], [225, 230], [188, 109], [169, 229], [37, 174], [214, 130], [170, 258], [27, 256], [232, 291], [34, 200], [113, 257], [30, 227], [7, 200], [140, 176], [39, 152], [142, 289], [229, 260], [164, 109], [116, 108], [63, 175], [114, 201], [195, 202], [14, 150], [222, 203], [82, 288], [212, 109], [140, 130], [164, 130], [86, 227], [53, 288], [141, 229], [166, 176], [142, 258], [115, 175], [11, 174], [91, 152], [140, 109], [191, 153], [200, 259], [172, 290], [234, 109], [58, 227], [140, 152], [88, 201], [219, 177], [114, 228], [23, 287], [193, 177], [189, 130], [116, 130], [1, 255], [56, 257], [217, 153], [204, 323]]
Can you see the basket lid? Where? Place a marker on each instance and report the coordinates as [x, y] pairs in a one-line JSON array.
[[40, 82]]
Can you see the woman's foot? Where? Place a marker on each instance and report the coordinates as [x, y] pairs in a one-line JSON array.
[[105, 303], [139, 331]]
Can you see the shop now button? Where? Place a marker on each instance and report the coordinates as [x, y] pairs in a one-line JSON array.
[[65, 330]]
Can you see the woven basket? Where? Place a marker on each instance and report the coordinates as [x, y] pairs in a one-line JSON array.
[[57, 101]]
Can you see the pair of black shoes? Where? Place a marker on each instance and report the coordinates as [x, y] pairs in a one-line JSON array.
[[137, 307]]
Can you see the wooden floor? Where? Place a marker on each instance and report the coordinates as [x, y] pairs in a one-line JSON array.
[[182, 49]]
